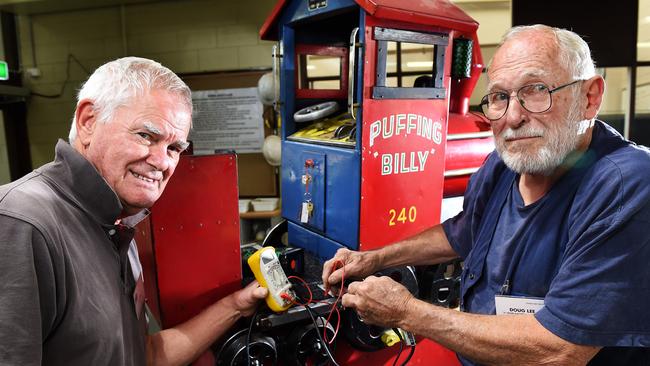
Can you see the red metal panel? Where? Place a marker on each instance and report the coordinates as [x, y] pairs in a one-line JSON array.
[[402, 173], [268, 31], [195, 227], [403, 152], [441, 13], [468, 123], [384, 196], [466, 153], [427, 353]]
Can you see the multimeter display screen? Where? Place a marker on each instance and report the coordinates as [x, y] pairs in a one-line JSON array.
[[267, 260]]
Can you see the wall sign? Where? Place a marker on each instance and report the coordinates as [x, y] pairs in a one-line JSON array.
[[227, 119]]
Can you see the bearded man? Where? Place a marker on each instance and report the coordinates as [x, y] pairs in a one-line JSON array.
[[553, 231]]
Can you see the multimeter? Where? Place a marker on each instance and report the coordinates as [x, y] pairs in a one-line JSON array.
[[269, 273]]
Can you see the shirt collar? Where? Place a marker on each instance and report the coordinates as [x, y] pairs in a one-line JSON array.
[[78, 180], [133, 220]]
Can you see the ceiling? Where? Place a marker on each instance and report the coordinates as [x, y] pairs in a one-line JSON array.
[[30, 7], [470, 5]]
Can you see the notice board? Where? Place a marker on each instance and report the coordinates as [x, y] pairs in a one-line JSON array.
[[227, 119], [256, 177]]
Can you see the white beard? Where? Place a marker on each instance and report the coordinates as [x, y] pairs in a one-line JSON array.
[[561, 140]]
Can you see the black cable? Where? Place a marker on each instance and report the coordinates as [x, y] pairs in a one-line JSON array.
[[401, 345], [248, 338], [320, 338], [411, 352], [67, 78]]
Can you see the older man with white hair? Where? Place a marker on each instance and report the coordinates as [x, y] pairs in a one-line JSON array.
[[553, 231], [70, 278]]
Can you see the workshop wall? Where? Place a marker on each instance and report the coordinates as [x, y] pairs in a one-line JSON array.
[[5, 177], [188, 36], [494, 20]]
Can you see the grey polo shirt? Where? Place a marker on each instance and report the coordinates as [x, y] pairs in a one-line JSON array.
[[66, 286]]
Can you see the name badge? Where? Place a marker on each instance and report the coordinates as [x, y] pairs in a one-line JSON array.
[[506, 305]]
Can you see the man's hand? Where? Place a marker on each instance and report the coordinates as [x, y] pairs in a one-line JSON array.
[[352, 264], [246, 299], [378, 300], [185, 342]]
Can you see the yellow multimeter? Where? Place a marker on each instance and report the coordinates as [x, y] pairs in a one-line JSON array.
[[269, 273]]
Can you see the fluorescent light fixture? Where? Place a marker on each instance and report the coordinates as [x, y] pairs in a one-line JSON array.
[[419, 64], [311, 67], [643, 45]]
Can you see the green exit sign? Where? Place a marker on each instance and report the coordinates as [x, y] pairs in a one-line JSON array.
[[4, 70]]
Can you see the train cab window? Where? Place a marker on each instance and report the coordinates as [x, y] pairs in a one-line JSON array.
[[405, 59], [405, 62], [321, 71]]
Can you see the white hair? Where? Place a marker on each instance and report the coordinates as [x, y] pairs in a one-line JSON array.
[[574, 52], [117, 82]]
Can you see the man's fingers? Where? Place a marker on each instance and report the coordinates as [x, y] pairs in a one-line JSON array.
[[256, 291], [354, 286], [349, 300], [330, 267], [335, 290], [327, 269], [332, 272], [260, 292], [335, 277], [253, 284]]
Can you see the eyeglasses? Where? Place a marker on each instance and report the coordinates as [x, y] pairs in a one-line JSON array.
[[535, 98]]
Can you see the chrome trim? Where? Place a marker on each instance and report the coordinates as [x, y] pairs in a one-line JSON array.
[[460, 172], [470, 135]]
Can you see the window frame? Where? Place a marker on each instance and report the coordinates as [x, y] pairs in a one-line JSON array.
[[318, 50], [439, 42]]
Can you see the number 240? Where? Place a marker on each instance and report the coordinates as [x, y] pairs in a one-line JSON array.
[[402, 216]]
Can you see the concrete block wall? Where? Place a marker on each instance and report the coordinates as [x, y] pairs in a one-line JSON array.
[[493, 21], [186, 36]]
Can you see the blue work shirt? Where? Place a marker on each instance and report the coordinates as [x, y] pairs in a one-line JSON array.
[[584, 247]]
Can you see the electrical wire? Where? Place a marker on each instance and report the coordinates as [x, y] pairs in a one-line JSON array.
[[293, 301], [306, 305], [320, 338], [408, 358], [248, 338], [397, 331], [401, 345], [310, 301], [334, 307], [65, 81], [323, 338], [338, 323]]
